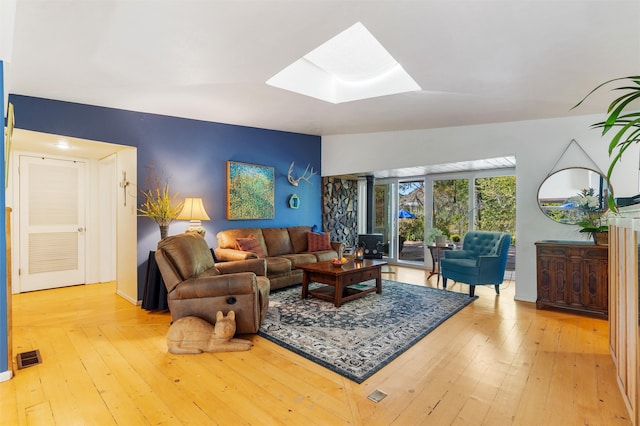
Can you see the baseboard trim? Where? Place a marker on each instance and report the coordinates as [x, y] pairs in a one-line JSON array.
[[127, 297], [6, 375]]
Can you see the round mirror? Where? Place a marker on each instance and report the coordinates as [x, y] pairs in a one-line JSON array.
[[561, 194]]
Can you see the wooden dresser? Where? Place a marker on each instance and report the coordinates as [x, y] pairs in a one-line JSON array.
[[573, 275]]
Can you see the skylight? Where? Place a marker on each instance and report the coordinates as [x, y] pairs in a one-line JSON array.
[[352, 65]]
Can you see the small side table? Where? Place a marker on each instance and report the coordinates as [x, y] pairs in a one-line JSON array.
[[155, 293], [437, 253]]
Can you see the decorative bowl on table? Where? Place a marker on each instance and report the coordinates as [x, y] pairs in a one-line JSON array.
[[338, 262]]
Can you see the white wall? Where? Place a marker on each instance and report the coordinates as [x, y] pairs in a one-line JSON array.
[[107, 231], [537, 146], [127, 227]]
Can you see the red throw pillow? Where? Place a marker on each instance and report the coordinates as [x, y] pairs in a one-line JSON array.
[[250, 244], [318, 242]]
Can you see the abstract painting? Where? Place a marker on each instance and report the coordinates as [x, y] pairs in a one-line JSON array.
[[250, 191]]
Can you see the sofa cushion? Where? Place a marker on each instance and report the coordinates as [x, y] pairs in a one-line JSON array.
[[250, 244], [212, 272], [318, 242], [460, 263], [298, 236], [227, 238], [277, 241], [300, 258], [278, 265]]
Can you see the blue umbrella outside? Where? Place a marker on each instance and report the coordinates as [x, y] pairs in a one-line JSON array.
[[403, 214]]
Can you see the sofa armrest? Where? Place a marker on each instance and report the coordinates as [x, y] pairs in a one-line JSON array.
[[490, 269], [228, 255], [257, 266], [215, 286], [488, 261]]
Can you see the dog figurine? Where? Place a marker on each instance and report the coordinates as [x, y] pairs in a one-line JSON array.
[[193, 335]]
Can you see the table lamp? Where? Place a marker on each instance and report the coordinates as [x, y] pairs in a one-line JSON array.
[[194, 212]]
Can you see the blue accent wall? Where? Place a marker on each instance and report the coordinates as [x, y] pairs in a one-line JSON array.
[[4, 335], [192, 154]]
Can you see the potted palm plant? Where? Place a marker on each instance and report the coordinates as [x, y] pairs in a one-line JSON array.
[[158, 203], [623, 115]]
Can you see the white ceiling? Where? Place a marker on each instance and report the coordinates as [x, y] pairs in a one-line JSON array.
[[477, 61]]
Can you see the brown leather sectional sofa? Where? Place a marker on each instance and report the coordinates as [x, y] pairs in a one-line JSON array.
[[284, 248]]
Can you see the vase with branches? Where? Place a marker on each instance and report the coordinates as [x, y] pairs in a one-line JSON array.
[[158, 202]]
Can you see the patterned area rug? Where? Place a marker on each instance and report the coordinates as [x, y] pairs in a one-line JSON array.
[[363, 335]]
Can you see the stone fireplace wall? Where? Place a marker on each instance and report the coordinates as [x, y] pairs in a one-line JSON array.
[[340, 209]]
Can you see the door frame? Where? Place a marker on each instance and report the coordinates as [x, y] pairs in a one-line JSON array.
[[428, 203], [128, 233]]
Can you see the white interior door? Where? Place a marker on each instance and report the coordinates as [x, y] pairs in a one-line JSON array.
[[52, 223]]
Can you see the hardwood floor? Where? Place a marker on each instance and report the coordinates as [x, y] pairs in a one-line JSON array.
[[497, 362]]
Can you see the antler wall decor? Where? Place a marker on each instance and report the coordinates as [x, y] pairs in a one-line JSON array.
[[304, 176]]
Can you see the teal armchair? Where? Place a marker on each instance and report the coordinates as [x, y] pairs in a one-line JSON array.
[[482, 260]]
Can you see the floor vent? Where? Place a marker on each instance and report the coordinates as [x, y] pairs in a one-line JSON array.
[[27, 359], [377, 395]]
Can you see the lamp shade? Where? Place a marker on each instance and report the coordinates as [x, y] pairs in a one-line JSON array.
[[193, 210]]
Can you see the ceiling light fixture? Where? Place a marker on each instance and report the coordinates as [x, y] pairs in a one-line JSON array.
[[351, 66]]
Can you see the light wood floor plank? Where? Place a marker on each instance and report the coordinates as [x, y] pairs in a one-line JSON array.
[[153, 366], [511, 389], [196, 377], [29, 392], [70, 400], [450, 365], [137, 390], [231, 391], [40, 414], [598, 359], [539, 379], [110, 391], [9, 403], [491, 370], [496, 362], [314, 390], [312, 406], [464, 380]]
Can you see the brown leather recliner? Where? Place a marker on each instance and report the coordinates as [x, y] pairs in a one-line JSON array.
[[198, 287]]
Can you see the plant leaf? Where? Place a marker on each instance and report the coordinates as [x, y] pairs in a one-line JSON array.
[[613, 117], [634, 78], [615, 141]]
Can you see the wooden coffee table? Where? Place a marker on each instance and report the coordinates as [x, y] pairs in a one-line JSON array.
[[339, 279]]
